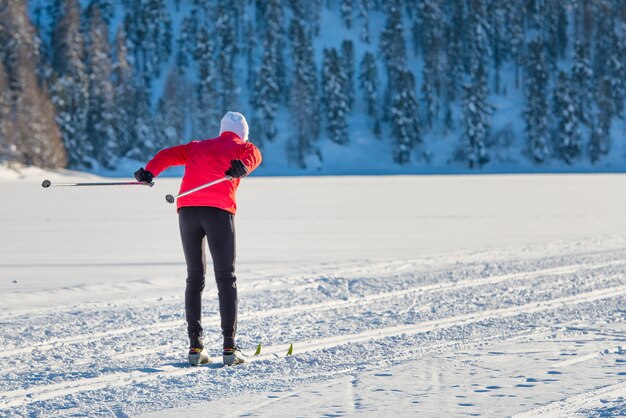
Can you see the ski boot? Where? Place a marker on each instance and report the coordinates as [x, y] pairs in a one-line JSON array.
[[197, 352], [232, 356]]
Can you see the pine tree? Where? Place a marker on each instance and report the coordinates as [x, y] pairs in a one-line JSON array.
[[567, 141], [364, 9], [225, 62], [71, 89], [582, 80], [603, 39], [478, 36], [600, 138], [99, 129], [129, 112], [476, 118], [36, 139], [238, 10], [404, 122], [186, 40], [304, 100], [315, 12], [392, 43], [172, 110], [7, 124], [553, 25], [431, 37], [616, 73], [346, 13], [368, 79], [105, 8], [208, 109], [500, 44], [393, 51], [54, 11], [250, 46], [347, 62], [334, 97], [536, 106], [515, 34], [148, 27], [610, 46], [270, 78], [455, 44]]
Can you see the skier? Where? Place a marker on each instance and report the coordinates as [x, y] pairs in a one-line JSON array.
[[209, 213]]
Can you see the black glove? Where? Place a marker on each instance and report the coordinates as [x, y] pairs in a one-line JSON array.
[[237, 169], [144, 176]]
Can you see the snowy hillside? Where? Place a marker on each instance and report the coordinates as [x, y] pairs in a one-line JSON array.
[[471, 295], [329, 86]]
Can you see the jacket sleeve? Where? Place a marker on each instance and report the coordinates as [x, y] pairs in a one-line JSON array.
[[166, 158], [251, 157]]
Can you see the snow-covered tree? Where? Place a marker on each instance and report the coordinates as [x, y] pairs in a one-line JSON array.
[[536, 106], [582, 82], [304, 100], [208, 109], [148, 28], [346, 12], [476, 120], [172, 118], [600, 138], [347, 62], [35, 136], [226, 54], [270, 77], [368, 80], [250, 47], [186, 40], [406, 131], [334, 98], [500, 42], [99, 129], [431, 29], [130, 110], [393, 50], [364, 10], [567, 142], [455, 30], [71, 89], [7, 125], [515, 35]]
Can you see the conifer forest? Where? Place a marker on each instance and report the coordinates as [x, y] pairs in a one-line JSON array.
[[466, 83]]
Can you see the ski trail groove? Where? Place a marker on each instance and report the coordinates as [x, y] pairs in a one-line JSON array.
[[333, 304], [572, 404], [39, 393]]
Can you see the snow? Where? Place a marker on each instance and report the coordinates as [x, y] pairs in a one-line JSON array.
[[403, 295]]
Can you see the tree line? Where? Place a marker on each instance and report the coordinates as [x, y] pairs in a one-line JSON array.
[[80, 88]]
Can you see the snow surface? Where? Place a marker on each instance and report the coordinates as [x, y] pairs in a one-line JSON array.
[[486, 295]]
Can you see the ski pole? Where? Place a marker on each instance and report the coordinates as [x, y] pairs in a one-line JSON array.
[[170, 198], [48, 183]]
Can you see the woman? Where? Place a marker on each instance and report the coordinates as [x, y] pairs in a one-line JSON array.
[[209, 213]]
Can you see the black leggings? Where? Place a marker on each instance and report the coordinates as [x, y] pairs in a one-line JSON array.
[[218, 226]]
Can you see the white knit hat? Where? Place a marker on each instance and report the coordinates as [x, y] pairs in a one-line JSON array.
[[235, 122]]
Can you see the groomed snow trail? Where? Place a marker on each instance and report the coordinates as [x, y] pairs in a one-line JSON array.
[[129, 358]]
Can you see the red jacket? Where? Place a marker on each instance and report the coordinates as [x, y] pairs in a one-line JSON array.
[[206, 161]]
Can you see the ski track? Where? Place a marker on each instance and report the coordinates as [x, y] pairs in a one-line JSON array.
[[332, 304], [539, 291], [577, 403], [38, 393]]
